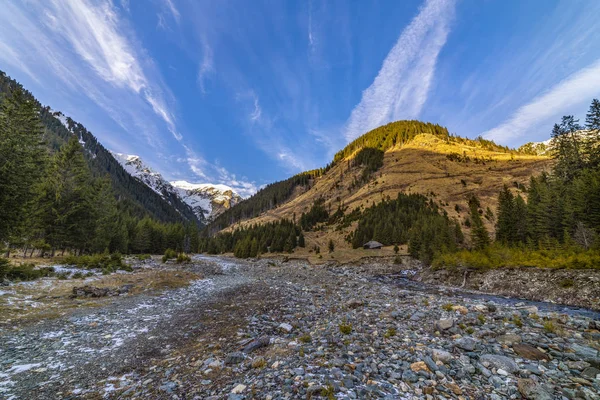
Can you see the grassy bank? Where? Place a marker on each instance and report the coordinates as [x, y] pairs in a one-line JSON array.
[[497, 256]]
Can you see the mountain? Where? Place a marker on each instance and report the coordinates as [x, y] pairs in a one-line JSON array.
[[134, 195], [206, 200], [404, 156]]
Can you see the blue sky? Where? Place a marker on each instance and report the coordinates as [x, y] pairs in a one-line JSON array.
[[248, 92]]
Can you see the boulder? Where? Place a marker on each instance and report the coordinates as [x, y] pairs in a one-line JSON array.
[[287, 328], [529, 352], [441, 355], [509, 339], [257, 344], [530, 389], [444, 324], [499, 362]]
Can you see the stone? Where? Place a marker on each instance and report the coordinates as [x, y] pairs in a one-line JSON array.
[[480, 308], [354, 303], [529, 352], [528, 309], [444, 324], [590, 373], [454, 388], [466, 343], [234, 358], [287, 328], [238, 389], [499, 362], [530, 389], [419, 366], [257, 344], [509, 339], [441, 355], [461, 309]]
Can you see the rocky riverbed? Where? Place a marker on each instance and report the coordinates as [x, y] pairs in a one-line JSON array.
[[287, 330]]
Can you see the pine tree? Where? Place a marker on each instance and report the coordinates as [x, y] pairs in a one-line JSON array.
[[67, 204], [568, 148], [592, 119], [505, 225], [331, 246], [479, 236], [22, 163], [301, 240]]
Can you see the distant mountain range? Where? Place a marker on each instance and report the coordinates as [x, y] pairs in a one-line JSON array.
[[206, 200]]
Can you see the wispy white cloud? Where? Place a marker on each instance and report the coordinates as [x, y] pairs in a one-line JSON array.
[[172, 9], [402, 84], [207, 66], [577, 89], [257, 112]]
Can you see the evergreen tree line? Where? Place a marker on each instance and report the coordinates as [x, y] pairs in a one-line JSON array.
[[387, 136], [53, 202], [265, 199], [134, 196], [563, 206], [412, 219], [369, 158], [317, 213], [280, 236]]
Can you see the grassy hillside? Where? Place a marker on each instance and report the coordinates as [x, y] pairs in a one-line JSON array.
[[443, 167]]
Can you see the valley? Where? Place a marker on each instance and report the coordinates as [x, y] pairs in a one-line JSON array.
[[274, 329]]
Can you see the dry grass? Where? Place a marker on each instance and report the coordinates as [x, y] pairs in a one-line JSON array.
[[422, 167], [49, 298]]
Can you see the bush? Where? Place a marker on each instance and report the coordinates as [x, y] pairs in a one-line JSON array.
[[143, 257], [109, 262], [499, 256], [4, 267], [169, 254], [183, 258], [346, 329], [28, 272]]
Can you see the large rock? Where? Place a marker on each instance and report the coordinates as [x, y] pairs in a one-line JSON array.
[[530, 389], [466, 343], [234, 358], [441, 355], [499, 362], [444, 324], [256, 344], [509, 339], [529, 352], [287, 328]]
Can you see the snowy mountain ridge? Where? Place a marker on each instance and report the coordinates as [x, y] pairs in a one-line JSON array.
[[206, 200]]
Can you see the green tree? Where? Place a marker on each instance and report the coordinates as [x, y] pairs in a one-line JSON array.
[[592, 119], [22, 162], [480, 238], [568, 148], [67, 204], [301, 240], [505, 224], [331, 246]]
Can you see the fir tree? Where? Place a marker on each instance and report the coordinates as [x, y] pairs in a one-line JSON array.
[[22, 163], [479, 235]]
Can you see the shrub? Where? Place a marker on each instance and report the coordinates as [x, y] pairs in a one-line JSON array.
[[4, 267], [549, 327], [305, 338], [397, 260], [448, 307], [27, 272], [481, 318], [183, 258], [346, 328], [143, 257], [566, 283], [517, 321], [169, 254], [390, 333], [110, 262]]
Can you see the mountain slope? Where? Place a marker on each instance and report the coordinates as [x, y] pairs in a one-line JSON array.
[[206, 200], [133, 195], [445, 168]]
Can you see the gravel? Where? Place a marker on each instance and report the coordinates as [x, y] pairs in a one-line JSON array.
[[271, 330]]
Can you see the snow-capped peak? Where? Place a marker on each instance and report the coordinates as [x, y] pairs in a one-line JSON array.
[[209, 199], [206, 200]]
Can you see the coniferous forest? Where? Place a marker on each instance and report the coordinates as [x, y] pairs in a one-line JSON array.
[[558, 225], [60, 190]]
